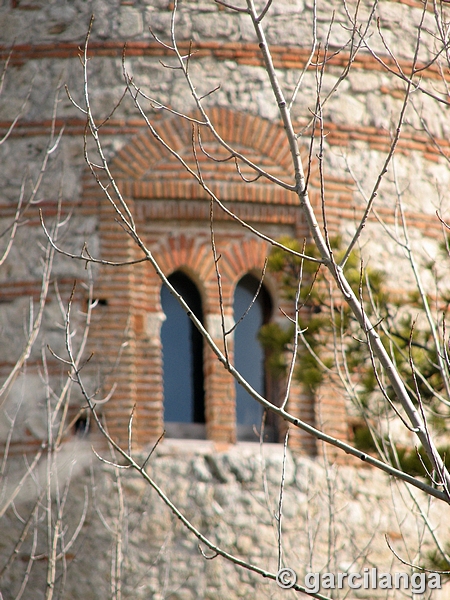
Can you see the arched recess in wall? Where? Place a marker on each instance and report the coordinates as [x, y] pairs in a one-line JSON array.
[[250, 357], [173, 213], [182, 346]]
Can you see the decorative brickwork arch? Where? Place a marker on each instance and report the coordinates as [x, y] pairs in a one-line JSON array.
[[189, 254], [172, 215], [151, 171]]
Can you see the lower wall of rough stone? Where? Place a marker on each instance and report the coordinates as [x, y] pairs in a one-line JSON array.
[[334, 519]]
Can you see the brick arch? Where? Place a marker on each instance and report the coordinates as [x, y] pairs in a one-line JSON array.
[[191, 255], [242, 257], [177, 251], [148, 170], [193, 276]]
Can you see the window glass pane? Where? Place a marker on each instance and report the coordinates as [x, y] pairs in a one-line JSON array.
[[248, 354], [182, 354]]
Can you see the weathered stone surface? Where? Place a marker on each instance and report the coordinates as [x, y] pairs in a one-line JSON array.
[[224, 494], [353, 506]]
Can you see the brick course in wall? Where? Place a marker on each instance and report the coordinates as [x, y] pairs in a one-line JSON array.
[[240, 52]]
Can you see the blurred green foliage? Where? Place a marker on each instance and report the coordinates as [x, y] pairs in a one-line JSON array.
[[321, 318], [435, 561], [331, 333]]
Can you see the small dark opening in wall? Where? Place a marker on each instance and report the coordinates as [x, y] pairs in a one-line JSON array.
[[102, 301], [81, 426]]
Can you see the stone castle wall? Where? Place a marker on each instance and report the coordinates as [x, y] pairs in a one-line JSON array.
[[334, 519], [358, 119], [223, 492]]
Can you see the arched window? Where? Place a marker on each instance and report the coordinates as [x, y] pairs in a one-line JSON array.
[[182, 347], [249, 356]]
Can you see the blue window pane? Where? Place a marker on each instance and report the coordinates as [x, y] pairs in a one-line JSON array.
[[182, 354], [248, 354]]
